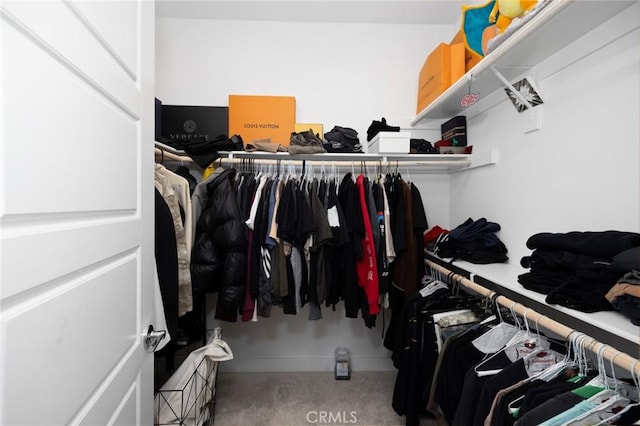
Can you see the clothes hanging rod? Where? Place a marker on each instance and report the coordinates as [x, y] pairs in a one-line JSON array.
[[168, 148], [621, 359], [263, 155], [449, 162], [162, 155], [442, 159]]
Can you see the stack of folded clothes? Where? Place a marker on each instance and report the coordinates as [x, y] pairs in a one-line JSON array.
[[474, 241], [342, 139], [305, 143], [577, 269]]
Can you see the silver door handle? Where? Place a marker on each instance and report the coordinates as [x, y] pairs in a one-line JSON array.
[[152, 338]]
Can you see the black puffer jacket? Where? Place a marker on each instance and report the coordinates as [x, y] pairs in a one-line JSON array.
[[219, 255]]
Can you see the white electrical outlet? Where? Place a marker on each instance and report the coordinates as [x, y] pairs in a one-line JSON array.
[[531, 119]]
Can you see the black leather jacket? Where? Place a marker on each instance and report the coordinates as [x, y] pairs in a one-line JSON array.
[[219, 255]]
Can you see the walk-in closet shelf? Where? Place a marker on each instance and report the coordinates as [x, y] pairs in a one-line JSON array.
[[556, 26], [425, 163], [610, 326]]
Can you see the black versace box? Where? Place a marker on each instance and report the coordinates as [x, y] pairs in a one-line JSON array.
[[185, 123]]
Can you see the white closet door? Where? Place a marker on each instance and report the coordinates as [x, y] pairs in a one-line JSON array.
[[76, 216]]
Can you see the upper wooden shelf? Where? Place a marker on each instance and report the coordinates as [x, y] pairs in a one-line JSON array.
[[557, 25]]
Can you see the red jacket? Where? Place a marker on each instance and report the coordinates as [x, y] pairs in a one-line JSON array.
[[366, 266]]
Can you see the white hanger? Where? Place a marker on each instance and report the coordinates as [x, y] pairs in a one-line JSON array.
[[606, 398], [636, 381], [560, 366], [498, 336], [519, 337]]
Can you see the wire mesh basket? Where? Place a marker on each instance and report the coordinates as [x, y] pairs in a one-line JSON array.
[[192, 403]]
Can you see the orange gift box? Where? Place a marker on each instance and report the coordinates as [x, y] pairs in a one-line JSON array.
[[444, 66], [262, 117]]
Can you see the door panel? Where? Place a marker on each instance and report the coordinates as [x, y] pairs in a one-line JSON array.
[[104, 65], [76, 212], [119, 38], [63, 325], [127, 410], [117, 391], [97, 132], [24, 242]]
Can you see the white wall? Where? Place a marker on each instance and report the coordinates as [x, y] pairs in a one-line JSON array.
[[340, 74]]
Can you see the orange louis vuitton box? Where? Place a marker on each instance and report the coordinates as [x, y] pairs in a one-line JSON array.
[[261, 117], [444, 66], [471, 58], [316, 128]]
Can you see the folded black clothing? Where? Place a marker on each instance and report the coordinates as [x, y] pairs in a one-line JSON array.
[[346, 136], [338, 147], [583, 300], [421, 146], [583, 290], [627, 260], [552, 259], [544, 282], [380, 126], [474, 251], [605, 244], [205, 151]]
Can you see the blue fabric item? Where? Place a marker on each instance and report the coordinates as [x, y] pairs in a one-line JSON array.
[[475, 21], [629, 306], [479, 230], [572, 413]]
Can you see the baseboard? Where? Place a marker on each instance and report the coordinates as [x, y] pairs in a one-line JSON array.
[[306, 364]]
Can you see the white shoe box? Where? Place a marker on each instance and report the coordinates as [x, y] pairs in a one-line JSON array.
[[390, 143]]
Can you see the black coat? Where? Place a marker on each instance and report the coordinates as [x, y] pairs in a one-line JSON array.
[[219, 255]]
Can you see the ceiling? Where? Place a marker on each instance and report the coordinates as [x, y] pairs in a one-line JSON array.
[[432, 12]]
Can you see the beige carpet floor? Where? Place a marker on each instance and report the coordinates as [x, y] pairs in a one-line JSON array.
[[261, 399]]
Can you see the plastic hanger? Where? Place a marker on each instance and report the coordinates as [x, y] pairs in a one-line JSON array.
[[608, 397], [498, 336], [409, 181], [553, 371], [574, 342], [636, 381], [522, 341], [432, 287], [515, 339], [541, 358]]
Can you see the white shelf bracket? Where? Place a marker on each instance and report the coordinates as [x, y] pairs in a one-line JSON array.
[[508, 85]]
